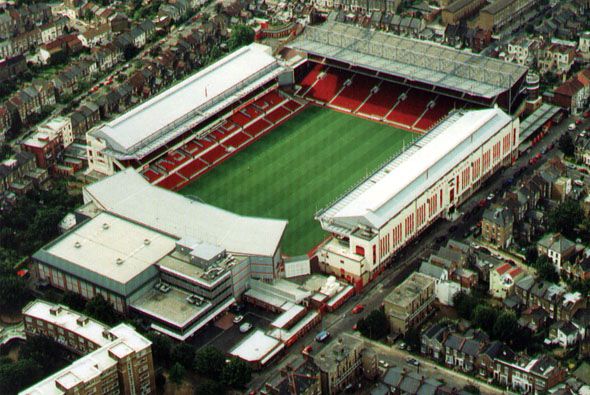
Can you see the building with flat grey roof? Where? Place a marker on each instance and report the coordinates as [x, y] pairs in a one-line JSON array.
[[177, 262], [410, 303]]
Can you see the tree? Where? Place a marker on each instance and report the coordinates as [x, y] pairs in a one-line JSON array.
[[184, 354], [19, 375], [240, 35], [209, 362], [375, 326], [177, 372], [464, 304], [236, 373], [565, 218], [566, 144], [484, 316], [160, 382], [209, 387], [545, 270], [161, 348], [531, 255], [102, 310], [13, 292], [506, 326], [73, 300]]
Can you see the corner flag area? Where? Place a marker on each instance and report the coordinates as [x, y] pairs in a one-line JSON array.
[[300, 167]]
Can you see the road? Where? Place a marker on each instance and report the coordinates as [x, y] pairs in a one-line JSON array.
[[408, 259]]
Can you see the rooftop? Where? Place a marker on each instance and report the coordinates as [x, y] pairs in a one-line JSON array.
[[69, 320], [113, 248], [410, 289], [169, 114], [329, 357], [129, 195], [258, 347], [410, 58]]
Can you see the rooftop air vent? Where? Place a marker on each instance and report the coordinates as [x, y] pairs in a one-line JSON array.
[[77, 244], [146, 242], [105, 226], [119, 261]]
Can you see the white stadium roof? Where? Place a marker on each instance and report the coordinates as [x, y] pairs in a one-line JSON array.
[[389, 190], [128, 195], [172, 112]]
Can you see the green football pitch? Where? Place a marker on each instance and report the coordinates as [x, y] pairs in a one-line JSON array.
[[299, 168]]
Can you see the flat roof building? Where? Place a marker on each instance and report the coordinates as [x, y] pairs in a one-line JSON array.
[[116, 360], [410, 303]]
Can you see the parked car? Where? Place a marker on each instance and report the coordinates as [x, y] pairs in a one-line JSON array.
[[571, 127], [412, 361], [383, 364], [322, 336], [307, 350], [238, 318], [357, 309], [402, 346], [245, 327]]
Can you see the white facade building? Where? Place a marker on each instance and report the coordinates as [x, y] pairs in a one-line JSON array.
[[427, 181]]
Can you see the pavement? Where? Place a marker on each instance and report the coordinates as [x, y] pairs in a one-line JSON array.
[[409, 259]]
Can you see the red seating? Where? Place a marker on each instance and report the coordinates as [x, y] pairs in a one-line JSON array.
[[442, 107], [151, 175], [214, 154], [251, 111], [327, 87], [353, 95], [381, 102], [237, 140], [176, 157], [217, 134], [277, 114], [257, 127], [292, 105], [239, 118], [311, 77], [170, 182], [408, 111], [273, 98], [164, 164], [192, 147], [229, 126], [193, 168]]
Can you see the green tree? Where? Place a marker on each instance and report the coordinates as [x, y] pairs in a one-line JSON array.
[[177, 372], [19, 375], [375, 326], [74, 301], [102, 310], [545, 270], [209, 362], [484, 316], [464, 304], [13, 292], [161, 348], [184, 354], [240, 35], [531, 255], [565, 218], [506, 326], [236, 373], [566, 144], [209, 387]]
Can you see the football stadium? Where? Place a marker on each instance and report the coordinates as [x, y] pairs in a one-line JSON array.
[[361, 137]]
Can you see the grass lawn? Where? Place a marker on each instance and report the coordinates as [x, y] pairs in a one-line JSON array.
[[299, 168]]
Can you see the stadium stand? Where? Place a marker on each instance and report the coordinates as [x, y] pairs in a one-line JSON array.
[[214, 154], [355, 93], [328, 85], [237, 140], [193, 169], [173, 181]]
